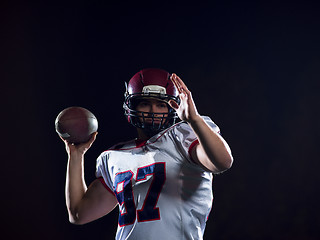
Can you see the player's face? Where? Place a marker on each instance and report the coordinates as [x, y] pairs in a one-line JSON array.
[[151, 106]]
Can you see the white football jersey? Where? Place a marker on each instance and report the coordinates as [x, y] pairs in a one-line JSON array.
[[162, 194]]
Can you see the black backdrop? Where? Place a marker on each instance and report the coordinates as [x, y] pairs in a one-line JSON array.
[[253, 67]]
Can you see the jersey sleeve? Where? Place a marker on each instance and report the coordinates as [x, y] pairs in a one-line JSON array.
[[186, 139], [102, 171]]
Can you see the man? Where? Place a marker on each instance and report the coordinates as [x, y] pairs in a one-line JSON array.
[[161, 181]]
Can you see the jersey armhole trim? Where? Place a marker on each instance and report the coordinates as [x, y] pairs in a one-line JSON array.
[[193, 144], [105, 185]]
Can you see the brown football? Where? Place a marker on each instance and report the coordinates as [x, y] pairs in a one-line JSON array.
[[76, 124]]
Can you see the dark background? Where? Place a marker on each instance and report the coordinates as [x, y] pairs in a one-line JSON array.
[[253, 67]]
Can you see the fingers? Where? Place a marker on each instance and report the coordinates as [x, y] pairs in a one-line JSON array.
[[89, 142], [182, 88], [93, 138], [80, 147]]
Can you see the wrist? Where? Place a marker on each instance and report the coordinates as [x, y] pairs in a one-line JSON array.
[[76, 156], [195, 120]]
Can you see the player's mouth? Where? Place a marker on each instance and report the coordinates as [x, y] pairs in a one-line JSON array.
[[154, 121]]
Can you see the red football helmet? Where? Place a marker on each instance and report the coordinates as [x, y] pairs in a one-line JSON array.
[[150, 83]]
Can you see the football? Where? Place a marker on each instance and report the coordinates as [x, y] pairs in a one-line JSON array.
[[76, 124]]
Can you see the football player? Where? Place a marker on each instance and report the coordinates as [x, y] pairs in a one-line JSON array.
[[162, 180]]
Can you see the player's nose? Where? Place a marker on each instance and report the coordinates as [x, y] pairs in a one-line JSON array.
[[152, 108]]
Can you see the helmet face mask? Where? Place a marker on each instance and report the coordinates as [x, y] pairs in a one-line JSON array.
[[150, 84]]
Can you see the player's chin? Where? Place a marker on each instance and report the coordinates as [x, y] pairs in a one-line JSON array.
[[153, 122]]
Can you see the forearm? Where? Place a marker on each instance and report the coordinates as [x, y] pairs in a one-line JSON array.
[[75, 185], [213, 151]]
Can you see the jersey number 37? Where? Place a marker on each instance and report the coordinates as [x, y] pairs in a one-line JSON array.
[[124, 194]]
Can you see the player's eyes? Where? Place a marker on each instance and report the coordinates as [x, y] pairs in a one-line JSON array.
[[148, 104], [143, 104], [162, 105]]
